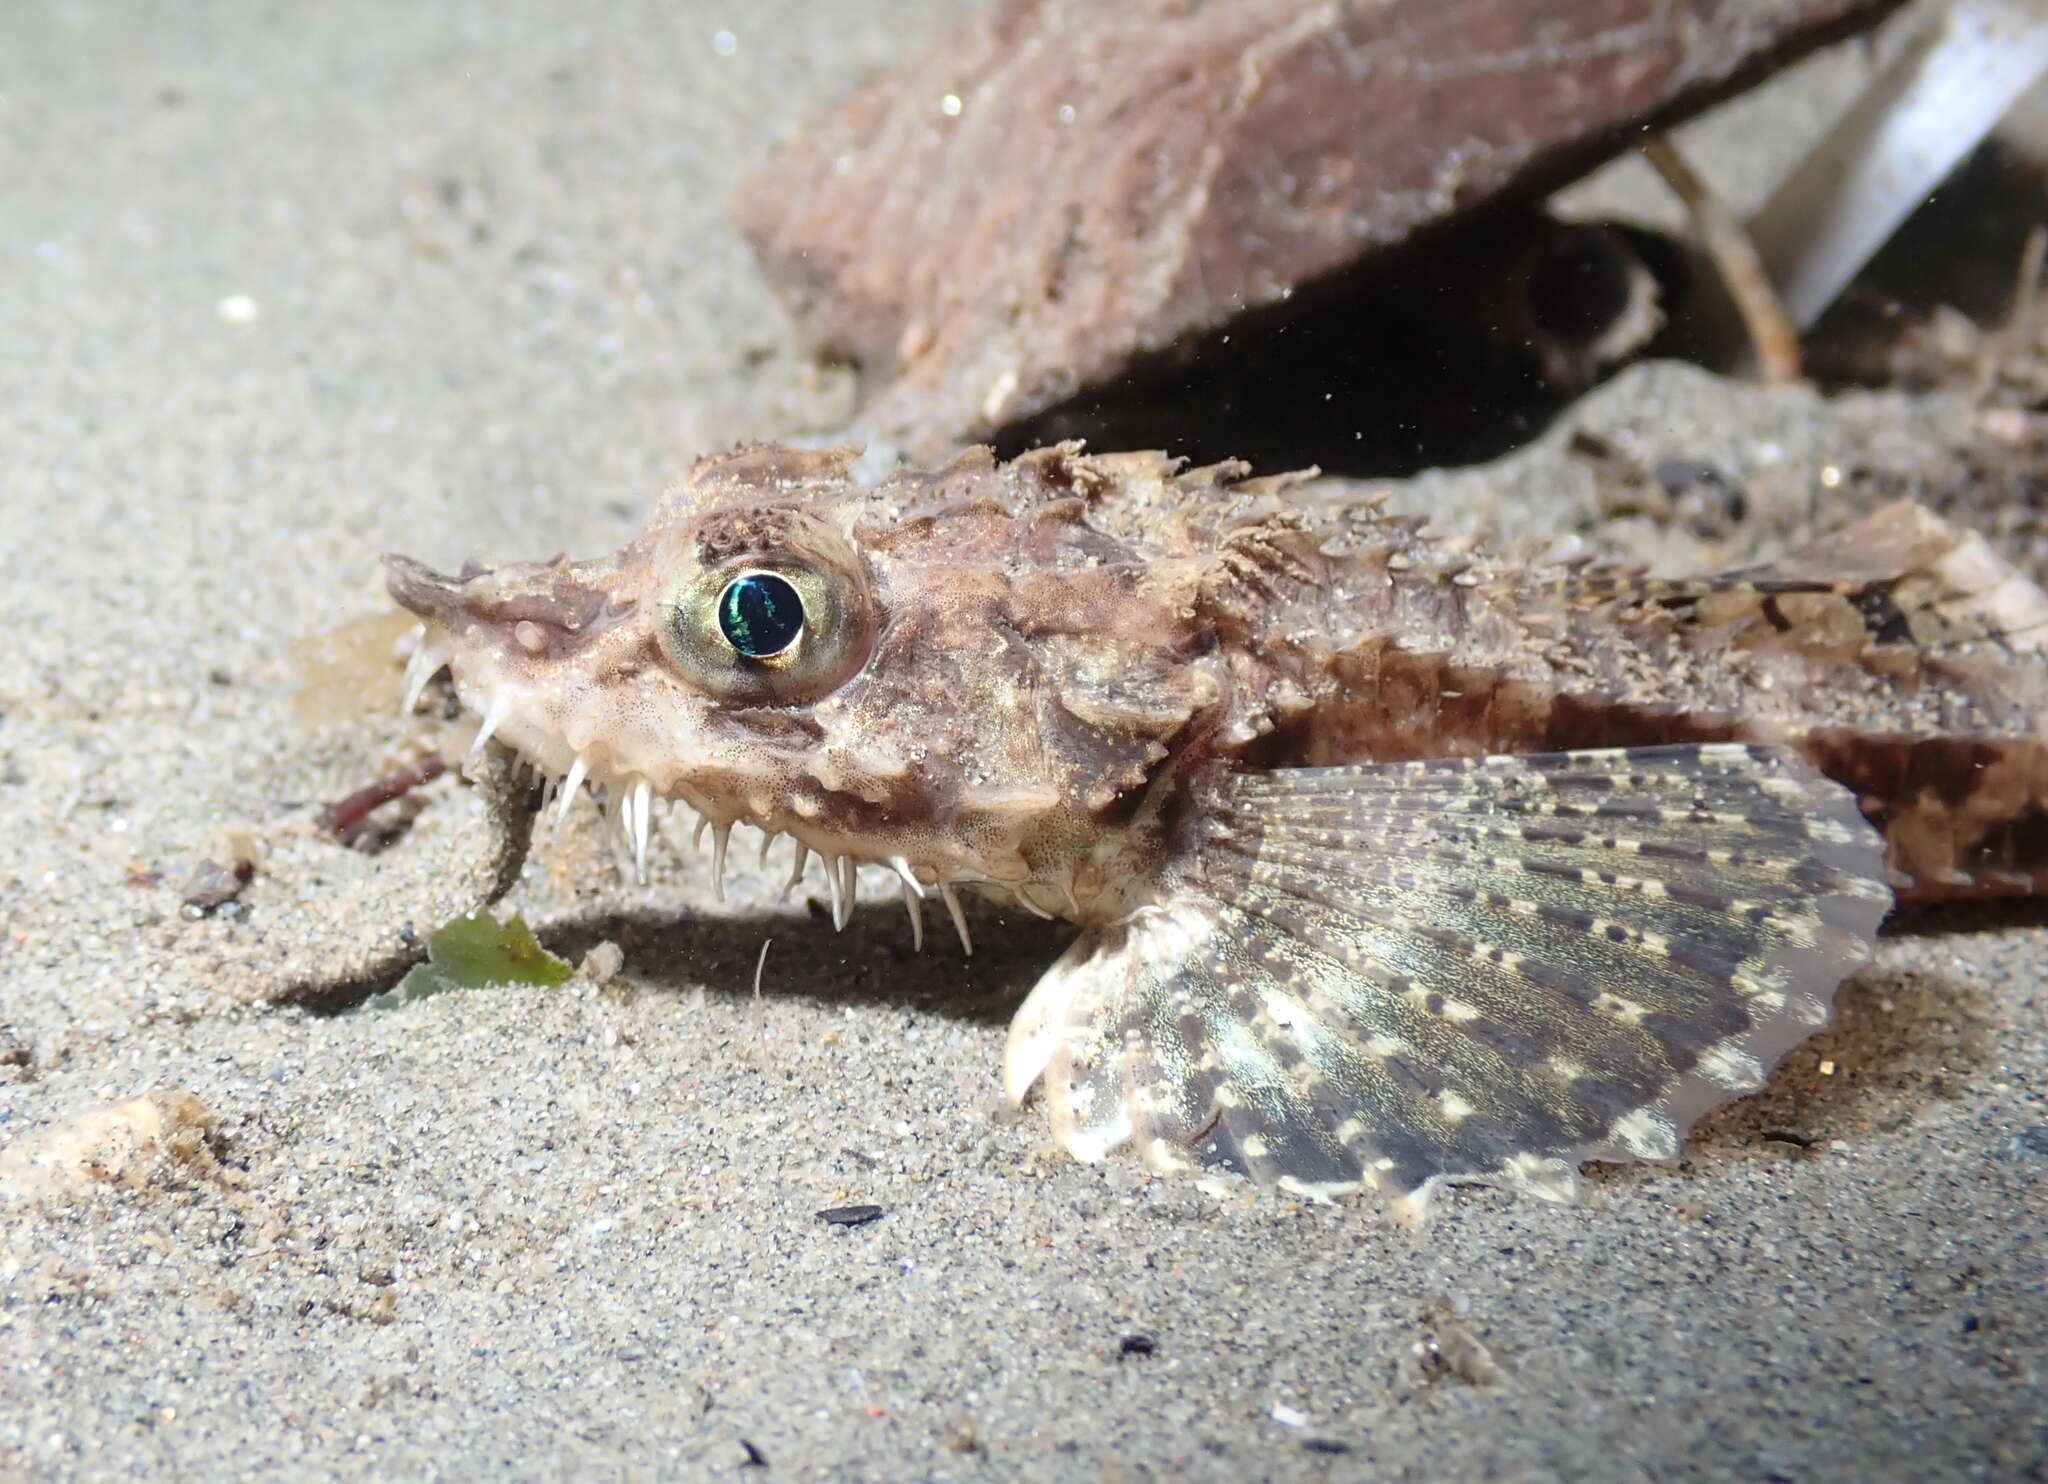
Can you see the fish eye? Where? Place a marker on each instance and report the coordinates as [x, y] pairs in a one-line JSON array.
[[767, 630], [760, 614]]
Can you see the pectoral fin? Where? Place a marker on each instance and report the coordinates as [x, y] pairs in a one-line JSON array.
[[1481, 969]]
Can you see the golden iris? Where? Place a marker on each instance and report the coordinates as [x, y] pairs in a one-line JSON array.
[[771, 631]]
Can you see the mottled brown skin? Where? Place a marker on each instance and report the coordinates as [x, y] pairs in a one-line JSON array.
[[1903, 658], [1062, 678]]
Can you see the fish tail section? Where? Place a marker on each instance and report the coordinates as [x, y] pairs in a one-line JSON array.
[[1953, 767]]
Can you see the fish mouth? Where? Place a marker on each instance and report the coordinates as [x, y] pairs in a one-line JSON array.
[[637, 815]]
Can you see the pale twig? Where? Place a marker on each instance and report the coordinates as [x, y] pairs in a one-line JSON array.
[[1721, 237]]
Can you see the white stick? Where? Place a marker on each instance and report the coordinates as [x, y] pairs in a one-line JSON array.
[[1919, 118]]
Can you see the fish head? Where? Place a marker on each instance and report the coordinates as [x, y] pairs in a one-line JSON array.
[[953, 671]]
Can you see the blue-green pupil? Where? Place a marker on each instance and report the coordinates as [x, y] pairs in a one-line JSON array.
[[760, 614]]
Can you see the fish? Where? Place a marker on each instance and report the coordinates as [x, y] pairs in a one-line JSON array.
[[1394, 863]]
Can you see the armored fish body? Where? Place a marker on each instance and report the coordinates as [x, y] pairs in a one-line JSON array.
[[1393, 863]]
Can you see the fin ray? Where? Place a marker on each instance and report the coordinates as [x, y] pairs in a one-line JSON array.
[[1476, 969]]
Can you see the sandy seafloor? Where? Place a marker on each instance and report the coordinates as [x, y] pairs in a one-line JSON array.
[[286, 286]]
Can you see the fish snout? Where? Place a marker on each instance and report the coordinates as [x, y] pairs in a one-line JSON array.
[[418, 588], [541, 610]]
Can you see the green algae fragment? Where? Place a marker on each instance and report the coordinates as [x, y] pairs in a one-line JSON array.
[[475, 952]]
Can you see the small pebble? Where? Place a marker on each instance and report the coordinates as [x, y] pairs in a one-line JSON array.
[[850, 1215], [602, 964], [212, 884]]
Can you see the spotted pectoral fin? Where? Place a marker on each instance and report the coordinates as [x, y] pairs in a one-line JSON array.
[[1481, 969]]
